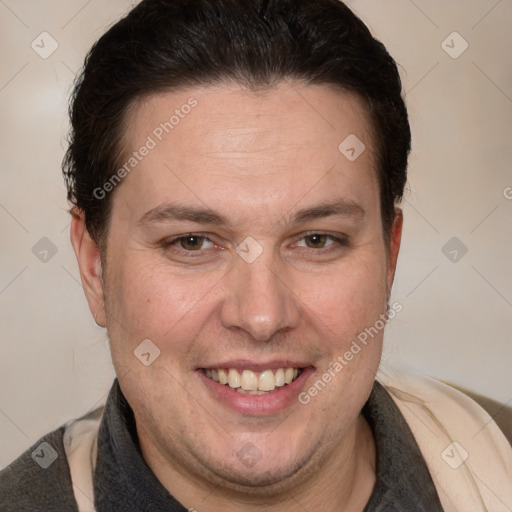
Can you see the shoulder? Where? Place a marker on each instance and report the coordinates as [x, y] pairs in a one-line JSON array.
[[461, 443], [500, 413], [39, 480], [451, 403]]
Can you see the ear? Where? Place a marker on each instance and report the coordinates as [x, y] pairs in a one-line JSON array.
[[88, 256], [394, 247]]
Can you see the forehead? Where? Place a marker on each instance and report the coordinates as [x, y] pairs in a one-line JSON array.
[[225, 143]]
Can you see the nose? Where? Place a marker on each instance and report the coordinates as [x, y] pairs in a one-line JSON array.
[[260, 299]]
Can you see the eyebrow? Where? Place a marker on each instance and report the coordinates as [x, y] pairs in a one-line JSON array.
[[339, 207], [171, 212]]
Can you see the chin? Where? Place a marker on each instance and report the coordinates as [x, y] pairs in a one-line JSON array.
[[252, 473], [268, 481]]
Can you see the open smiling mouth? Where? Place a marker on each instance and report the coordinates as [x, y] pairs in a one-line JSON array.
[[254, 382]]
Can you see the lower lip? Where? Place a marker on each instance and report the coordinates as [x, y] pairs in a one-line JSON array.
[[258, 405]]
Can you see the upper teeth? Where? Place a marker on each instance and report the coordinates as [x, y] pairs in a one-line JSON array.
[[250, 381]]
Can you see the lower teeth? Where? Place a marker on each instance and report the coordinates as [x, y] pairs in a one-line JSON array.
[[256, 392]]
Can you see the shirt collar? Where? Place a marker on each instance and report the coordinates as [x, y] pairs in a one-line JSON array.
[[403, 480]]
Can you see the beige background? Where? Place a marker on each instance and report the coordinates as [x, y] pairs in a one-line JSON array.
[[456, 322]]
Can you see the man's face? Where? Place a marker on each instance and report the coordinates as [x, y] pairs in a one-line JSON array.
[[246, 240]]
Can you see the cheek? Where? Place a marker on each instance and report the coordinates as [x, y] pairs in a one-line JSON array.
[[344, 301], [148, 301]]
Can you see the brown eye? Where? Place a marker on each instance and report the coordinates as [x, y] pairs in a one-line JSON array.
[[317, 241], [192, 242], [324, 241]]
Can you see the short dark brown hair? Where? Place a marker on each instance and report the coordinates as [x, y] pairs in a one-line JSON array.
[[166, 44]]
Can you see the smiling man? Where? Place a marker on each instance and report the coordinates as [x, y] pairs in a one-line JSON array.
[[235, 169]]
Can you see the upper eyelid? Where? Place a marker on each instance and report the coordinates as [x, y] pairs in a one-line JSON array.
[[341, 240], [324, 233], [335, 236], [185, 235]]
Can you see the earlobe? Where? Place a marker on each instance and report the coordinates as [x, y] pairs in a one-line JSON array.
[[394, 246], [89, 262]]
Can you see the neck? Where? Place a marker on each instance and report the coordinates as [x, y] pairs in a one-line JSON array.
[[346, 476]]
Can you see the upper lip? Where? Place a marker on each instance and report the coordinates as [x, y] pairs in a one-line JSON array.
[[251, 364]]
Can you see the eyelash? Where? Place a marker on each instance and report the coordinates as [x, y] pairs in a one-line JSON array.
[[174, 241], [339, 241]]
